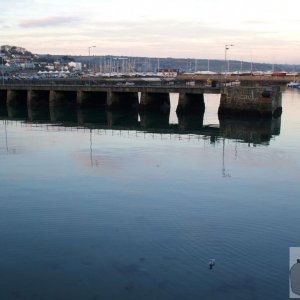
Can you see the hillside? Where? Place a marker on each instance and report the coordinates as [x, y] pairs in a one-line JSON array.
[[13, 54]]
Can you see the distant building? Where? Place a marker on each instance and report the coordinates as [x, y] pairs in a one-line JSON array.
[[27, 65], [77, 66], [278, 73], [167, 72], [50, 67]]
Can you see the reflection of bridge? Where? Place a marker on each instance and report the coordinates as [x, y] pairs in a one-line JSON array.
[[254, 130], [238, 100]]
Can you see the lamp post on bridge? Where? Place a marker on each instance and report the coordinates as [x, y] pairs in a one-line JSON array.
[[89, 65], [227, 47]]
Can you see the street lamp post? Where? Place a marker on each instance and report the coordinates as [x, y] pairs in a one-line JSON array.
[[89, 65], [227, 47]]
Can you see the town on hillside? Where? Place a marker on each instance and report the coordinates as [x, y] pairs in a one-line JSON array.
[[18, 63]]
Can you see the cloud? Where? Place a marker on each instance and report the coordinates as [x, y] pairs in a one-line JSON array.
[[256, 22], [48, 21]]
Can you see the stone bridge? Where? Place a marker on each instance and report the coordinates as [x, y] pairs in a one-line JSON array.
[[233, 100]]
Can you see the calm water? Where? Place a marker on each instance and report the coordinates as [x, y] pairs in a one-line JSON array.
[[90, 211]]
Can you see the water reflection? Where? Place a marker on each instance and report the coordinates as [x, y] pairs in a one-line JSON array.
[[248, 130], [8, 148], [146, 209], [17, 112], [190, 122], [119, 119], [3, 110], [39, 114], [152, 120], [62, 115], [90, 117]]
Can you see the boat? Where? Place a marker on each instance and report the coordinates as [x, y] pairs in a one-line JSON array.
[[294, 84], [233, 83]]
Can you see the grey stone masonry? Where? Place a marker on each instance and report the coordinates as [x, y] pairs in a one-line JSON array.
[[251, 101]]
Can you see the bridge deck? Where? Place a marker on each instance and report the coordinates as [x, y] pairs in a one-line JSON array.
[[114, 88]]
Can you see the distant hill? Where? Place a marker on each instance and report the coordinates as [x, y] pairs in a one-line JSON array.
[[146, 64], [15, 51]]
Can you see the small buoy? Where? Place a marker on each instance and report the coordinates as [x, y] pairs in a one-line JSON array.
[[211, 263]]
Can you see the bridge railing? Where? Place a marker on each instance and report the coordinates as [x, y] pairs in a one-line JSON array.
[[104, 83]]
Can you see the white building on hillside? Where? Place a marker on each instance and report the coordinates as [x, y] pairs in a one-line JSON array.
[[76, 65]]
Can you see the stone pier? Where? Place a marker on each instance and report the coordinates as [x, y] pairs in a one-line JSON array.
[[235, 100], [190, 103], [155, 101], [251, 101]]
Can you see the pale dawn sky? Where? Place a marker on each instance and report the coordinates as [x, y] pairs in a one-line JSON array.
[[261, 30]]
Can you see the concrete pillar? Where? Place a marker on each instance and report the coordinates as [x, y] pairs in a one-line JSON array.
[[62, 98], [52, 98], [190, 103], [37, 98], [155, 102], [122, 100], [91, 99]]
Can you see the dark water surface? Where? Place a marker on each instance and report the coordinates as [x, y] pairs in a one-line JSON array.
[[105, 206]]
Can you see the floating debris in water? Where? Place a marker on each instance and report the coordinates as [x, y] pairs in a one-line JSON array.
[[211, 263]]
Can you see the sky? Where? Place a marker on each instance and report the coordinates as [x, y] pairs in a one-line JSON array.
[[260, 30]]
